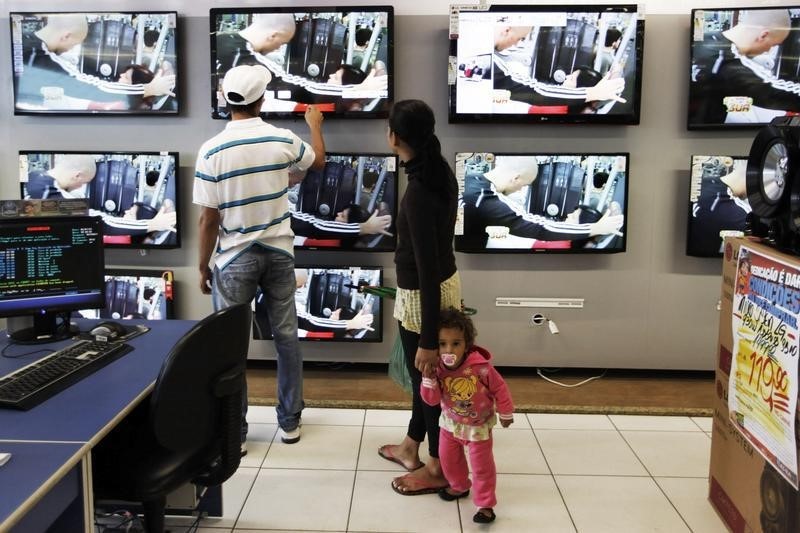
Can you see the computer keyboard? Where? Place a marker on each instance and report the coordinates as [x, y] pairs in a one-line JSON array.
[[33, 384]]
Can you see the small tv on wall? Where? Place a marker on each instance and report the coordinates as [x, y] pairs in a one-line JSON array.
[[330, 306], [718, 205], [546, 63], [137, 293], [136, 193], [350, 205], [542, 203], [100, 62], [337, 58], [745, 66]]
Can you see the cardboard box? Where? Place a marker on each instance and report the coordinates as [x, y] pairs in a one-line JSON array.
[[747, 492]]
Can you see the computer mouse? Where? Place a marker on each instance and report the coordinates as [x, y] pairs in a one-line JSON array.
[[108, 329]]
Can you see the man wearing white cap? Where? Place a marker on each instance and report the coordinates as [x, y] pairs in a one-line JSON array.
[[241, 183]]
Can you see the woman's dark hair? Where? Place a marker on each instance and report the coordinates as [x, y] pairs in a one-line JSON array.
[[612, 36], [452, 318], [352, 75], [412, 121], [140, 74], [587, 77]]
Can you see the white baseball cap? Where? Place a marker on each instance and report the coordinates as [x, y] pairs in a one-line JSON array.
[[245, 84]]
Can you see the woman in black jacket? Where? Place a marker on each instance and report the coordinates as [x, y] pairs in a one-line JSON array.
[[427, 280]]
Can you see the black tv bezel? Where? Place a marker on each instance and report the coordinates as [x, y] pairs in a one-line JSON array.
[[394, 207], [719, 127], [63, 308], [148, 273], [689, 253], [378, 320], [176, 155], [559, 251], [631, 119], [100, 112], [390, 67]]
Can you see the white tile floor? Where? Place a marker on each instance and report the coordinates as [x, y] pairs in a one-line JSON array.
[[556, 473]]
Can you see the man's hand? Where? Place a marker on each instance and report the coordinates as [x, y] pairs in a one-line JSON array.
[[608, 223], [425, 360], [376, 224], [361, 321], [313, 117], [161, 84], [163, 221], [205, 280], [606, 89]]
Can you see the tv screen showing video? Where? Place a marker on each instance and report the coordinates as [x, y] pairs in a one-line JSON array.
[[547, 203], [745, 66], [349, 205], [546, 64], [95, 63], [331, 305], [337, 58], [136, 193], [134, 293], [718, 205]]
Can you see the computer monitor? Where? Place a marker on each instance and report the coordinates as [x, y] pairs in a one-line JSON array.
[[136, 293], [542, 202], [136, 193], [718, 205], [330, 306], [339, 58], [95, 63], [49, 267], [330, 208], [546, 64]]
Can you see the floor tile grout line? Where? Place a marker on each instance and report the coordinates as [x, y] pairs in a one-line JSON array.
[[355, 472], [653, 479], [553, 478]]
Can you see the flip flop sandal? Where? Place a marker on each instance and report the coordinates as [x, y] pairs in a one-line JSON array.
[[415, 492], [482, 518], [389, 457]]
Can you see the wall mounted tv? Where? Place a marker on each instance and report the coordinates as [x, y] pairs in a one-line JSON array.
[[718, 205], [330, 306], [351, 204], [543, 64], [548, 203], [136, 193], [745, 66], [339, 58], [95, 63], [136, 293]]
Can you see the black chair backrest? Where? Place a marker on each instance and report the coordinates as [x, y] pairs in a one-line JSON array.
[[184, 408]]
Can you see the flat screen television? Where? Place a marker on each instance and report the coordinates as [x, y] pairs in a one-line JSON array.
[[546, 64], [339, 58], [97, 62], [330, 306], [49, 266], [745, 66], [350, 205], [136, 193], [718, 205], [136, 293], [546, 203]]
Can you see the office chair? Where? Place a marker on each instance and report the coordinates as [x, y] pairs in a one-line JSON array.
[[190, 430]]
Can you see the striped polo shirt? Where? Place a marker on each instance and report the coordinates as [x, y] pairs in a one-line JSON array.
[[244, 173]]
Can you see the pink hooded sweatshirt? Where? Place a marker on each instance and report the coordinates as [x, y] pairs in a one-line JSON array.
[[469, 393]]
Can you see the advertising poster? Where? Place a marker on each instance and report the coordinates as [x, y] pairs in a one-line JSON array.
[[763, 378]]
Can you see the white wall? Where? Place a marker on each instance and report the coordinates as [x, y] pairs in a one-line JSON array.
[[651, 307]]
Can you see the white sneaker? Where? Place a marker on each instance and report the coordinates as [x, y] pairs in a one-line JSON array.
[[244, 449], [289, 437]]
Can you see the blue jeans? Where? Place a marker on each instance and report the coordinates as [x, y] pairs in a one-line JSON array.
[[274, 273]]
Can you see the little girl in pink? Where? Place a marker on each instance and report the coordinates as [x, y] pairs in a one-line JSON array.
[[468, 388]]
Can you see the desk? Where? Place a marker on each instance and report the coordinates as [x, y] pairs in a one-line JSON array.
[[51, 444]]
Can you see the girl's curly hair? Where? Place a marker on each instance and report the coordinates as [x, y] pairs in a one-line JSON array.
[[453, 318]]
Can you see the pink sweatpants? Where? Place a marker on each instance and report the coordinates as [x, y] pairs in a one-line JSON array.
[[454, 466]]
